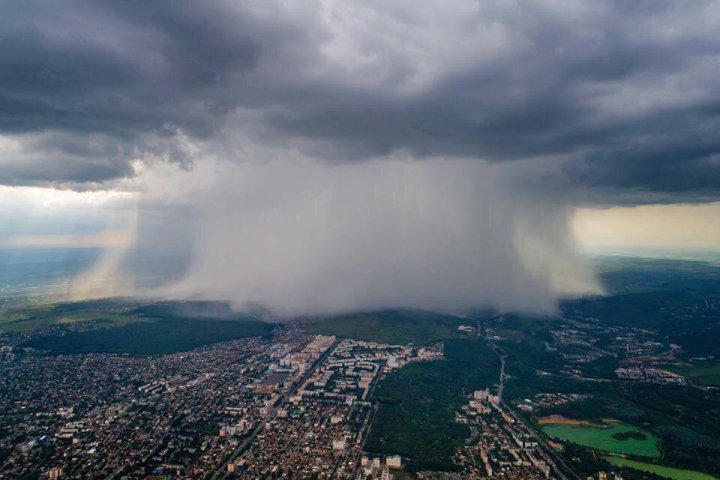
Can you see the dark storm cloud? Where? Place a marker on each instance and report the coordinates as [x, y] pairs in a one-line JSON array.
[[617, 101], [86, 86]]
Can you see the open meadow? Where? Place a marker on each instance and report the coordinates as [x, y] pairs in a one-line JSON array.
[[618, 438]]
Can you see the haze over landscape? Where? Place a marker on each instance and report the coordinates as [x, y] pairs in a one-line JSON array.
[[335, 157]]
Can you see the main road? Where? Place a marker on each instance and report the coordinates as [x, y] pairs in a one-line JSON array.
[[221, 472], [545, 450], [370, 417]]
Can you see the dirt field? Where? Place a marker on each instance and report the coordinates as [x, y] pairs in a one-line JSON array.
[[560, 420]]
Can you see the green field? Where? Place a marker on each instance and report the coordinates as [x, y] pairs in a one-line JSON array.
[[392, 326], [27, 319], [660, 470], [601, 438], [701, 373]]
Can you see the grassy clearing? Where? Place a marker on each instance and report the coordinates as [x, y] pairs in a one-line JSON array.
[[660, 470], [29, 318], [604, 438]]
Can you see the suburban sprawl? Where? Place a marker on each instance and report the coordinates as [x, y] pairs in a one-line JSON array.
[[617, 387]]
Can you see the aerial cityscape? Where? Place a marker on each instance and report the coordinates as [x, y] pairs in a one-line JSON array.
[[604, 390], [359, 240]]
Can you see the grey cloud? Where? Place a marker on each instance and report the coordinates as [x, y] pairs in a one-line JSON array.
[[613, 101], [130, 75]]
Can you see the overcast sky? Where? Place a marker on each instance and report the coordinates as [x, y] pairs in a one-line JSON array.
[[170, 106], [618, 100]]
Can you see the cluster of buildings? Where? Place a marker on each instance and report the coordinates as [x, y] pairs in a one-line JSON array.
[[113, 416], [651, 375], [379, 468], [500, 446], [319, 429], [576, 345], [304, 440], [638, 351], [636, 342], [296, 406], [543, 401], [579, 340], [606, 476]]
